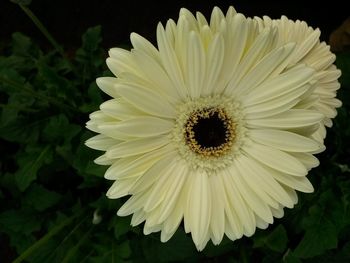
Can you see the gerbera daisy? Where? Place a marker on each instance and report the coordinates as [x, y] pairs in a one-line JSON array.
[[317, 55], [205, 128]]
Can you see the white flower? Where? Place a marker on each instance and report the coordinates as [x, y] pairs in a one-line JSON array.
[[206, 128], [317, 55]]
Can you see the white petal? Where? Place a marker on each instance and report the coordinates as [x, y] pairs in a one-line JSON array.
[[274, 106], [120, 61], [292, 193], [181, 45], [147, 100], [134, 203], [170, 62], [120, 109], [138, 217], [230, 233], [120, 188], [153, 215], [260, 178], [307, 159], [162, 166], [145, 126], [215, 19], [253, 200], [199, 207], [235, 45], [291, 119], [137, 146], [285, 141], [142, 44], [108, 129], [248, 175], [195, 65], [170, 32], [254, 54], [106, 84], [276, 159], [104, 160], [202, 21], [306, 45], [101, 142], [172, 193], [155, 74], [217, 220], [261, 223], [169, 181], [148, 229], [263, 69], [328, 111], [231, 12], [190, 18], [174, 219], [215, 58], [301, 184], [239, 215], [135, 165], [284, 83], [278, 213]]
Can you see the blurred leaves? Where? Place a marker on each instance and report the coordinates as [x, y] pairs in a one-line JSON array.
[[276, 240], [29, 164], [50, 188]]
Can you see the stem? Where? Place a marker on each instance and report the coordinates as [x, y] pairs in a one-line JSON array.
[[70, 234], [47, 34], [72, 251], [47, 237], [42, 28]]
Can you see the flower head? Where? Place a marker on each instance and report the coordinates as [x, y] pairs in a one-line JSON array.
[[208, 128], [317, 55]]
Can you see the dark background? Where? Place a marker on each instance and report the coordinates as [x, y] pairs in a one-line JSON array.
[[68, 19]]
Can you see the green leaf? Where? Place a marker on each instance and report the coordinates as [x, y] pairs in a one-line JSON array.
[[12, 75], [30, 163], [318, 238], [83, 161], [19, 240], [21, 44], [276, 240], [121, 226], [178, 248], [57, 228], [291, 258], [92, 38], [57, 85], [21, 221], [90, 55], [59, 130], [40, 198], [124, 250], [22, 130]]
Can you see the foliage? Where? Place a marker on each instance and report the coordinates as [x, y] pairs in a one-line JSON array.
[[51, 192]]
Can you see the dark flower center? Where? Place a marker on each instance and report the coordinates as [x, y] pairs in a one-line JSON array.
[[210, 132]]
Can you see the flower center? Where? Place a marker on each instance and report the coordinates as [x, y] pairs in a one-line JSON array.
[[209, 132]]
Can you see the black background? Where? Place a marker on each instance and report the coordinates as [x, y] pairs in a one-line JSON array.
[[68, 19]]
